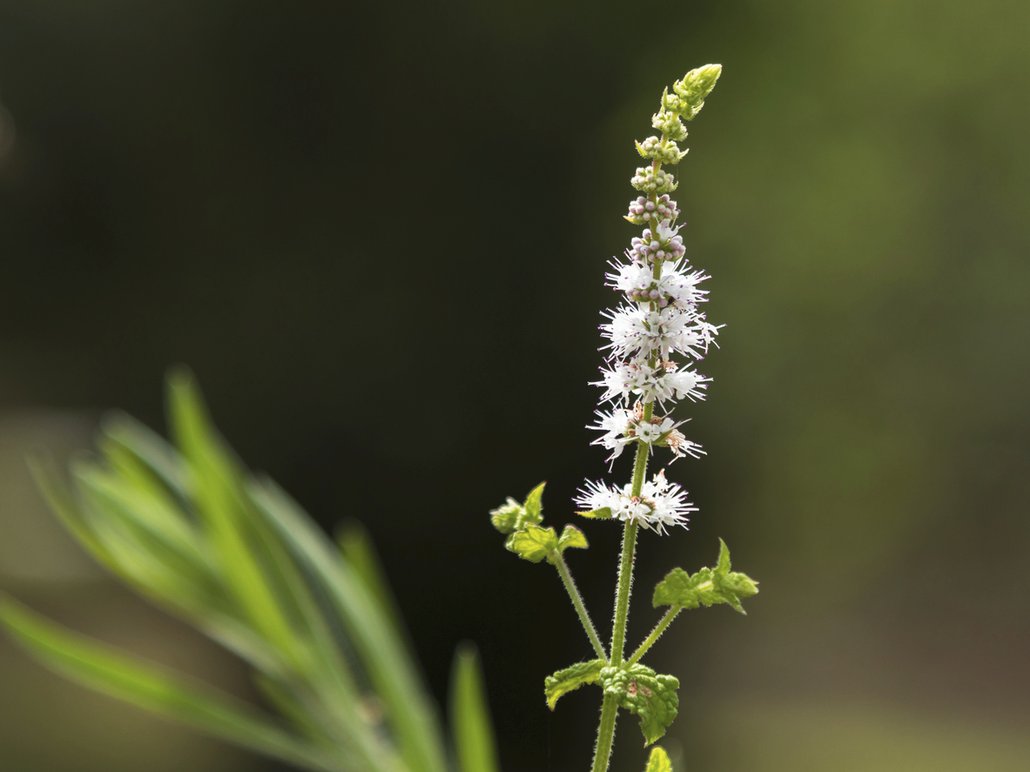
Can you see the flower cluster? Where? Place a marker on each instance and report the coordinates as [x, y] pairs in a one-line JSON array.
[[655, 337], [659, 505]]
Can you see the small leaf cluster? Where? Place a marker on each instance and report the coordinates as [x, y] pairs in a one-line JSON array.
[[706, 587], [527, 538]]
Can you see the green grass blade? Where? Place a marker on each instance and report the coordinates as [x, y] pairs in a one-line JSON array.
[[216, 487], [393, 675], [330, 691], [147, 686], [219, 626], [156, 532], [359, 553], [149, 448], [474, 744]]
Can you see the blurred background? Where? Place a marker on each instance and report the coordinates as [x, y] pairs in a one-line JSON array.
[[377, 234]]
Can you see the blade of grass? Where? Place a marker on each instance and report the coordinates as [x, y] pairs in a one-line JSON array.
[[359, 553], [474, 745], [213, 482], [328, 677], [219, 626], [147, 686], [393, 675]]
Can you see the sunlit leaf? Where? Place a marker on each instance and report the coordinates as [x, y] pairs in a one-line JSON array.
[[568, 679]]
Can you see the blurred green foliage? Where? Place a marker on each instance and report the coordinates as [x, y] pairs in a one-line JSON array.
[[235, 557]]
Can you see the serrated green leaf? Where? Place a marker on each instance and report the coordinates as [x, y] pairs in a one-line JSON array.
[[652, 698], [474, 743], [571, 678], [533, 543], [534, 506], [658, 761], [148, 686], [723, 564], [707, 587], [604, 513], [572, 537]]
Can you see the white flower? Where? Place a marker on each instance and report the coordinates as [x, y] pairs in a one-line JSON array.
[[681, 287], [628, 378], [630, 277], [674, 285], [641, 330], [681, 446], [682, 383], [618, 428], [655, 430], [660, 505]]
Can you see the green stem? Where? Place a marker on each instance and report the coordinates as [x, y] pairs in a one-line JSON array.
[[610, 705], [577, 602], [650, 640], [629, 545]]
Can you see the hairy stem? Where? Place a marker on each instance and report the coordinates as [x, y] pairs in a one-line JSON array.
[[577, 602], [609, 705], [651, 639]]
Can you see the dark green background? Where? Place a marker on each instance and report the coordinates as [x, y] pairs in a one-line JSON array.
[[377, 234]]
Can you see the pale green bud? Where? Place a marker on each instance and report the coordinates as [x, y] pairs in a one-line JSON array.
[[506, 517], [663, 151], [648, 181], [673, 103], [695, 87], [669, 124]]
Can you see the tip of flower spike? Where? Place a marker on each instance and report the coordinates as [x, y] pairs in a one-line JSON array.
[[695, 87]]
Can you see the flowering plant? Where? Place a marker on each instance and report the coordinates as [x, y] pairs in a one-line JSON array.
[[654, 338], [190, 528]]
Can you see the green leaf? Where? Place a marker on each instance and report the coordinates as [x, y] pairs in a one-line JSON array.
[[723, 564], [533, 543], [571, 678], [506, 517], [604, 513], [652, 698], [474, 744], [534, 506], [572, 537], [658, 761], [147, 686], [707, 587]]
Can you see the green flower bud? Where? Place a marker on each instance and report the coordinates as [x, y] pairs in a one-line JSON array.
[[506, 517], [669, 124], [694, 87], [663, 151], [648, 181]]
